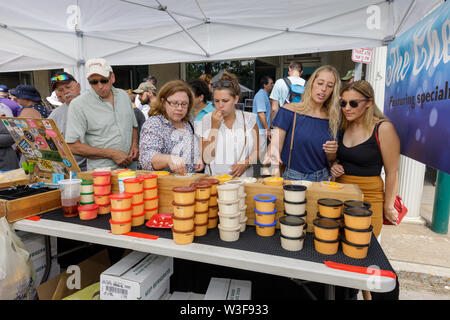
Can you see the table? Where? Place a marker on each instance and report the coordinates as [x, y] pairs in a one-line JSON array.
[[251, 252]]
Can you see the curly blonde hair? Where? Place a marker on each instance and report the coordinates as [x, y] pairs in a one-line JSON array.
[[331, 104]]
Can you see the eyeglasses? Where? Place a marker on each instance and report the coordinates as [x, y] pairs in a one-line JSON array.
[[174, 104], [102, 81], [222, 83], [353, 103], [59, 77]]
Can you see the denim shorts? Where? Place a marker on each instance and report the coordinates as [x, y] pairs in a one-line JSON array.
[[319, 175]]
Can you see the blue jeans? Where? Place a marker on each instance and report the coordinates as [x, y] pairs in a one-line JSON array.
[[319, 175]]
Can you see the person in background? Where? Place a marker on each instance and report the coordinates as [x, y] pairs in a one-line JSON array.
[[146, 95], [315, 133], [53, 101], [202, 99], [229, 136], [8, 156], [280, 92], [14, 106], [208, 79], [167, 140], [150, 79], [101, 125], [349, 77], [30, 100], [140, 117], [67, 89]]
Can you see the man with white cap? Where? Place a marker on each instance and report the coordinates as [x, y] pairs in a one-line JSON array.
[[101, 124], [146, 94]]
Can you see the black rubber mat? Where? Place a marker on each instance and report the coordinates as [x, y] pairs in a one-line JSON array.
[[248, 241]]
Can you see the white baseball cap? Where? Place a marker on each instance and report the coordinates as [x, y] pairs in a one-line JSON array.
[[98, 66]]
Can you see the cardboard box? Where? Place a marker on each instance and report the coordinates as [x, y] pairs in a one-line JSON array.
[[89, 293], [228, 289], [138, 276], [178, 295], [89, 272]]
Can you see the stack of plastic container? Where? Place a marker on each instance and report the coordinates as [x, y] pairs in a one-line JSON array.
[[150, 195], [102, 190], [201, 210], [265, 214], [327, 226], [242, 206], [121, 213], [213, 207], [87, 192], [229, 214], [357, 229], [183, 229], [135, 187]]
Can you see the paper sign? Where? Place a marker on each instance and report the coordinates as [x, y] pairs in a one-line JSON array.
[[362, 55]]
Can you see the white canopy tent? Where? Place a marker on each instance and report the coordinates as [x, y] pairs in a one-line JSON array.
[[49, 34]]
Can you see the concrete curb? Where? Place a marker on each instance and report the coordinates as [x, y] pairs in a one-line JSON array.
[[420, 268]]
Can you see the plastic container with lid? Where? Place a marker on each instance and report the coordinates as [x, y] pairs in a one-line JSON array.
[[102, 189], [212, 222], [228, 192], [183, 224], [120, 227], [150, 180], [326, 247], [357, 236], [265, 230], [356, 203], [265, 217], [87, 197], [87, 188], [243, 223], [330, 208], [138, 208], [223, 178], [151, 203], [136, 197], [228, 207], [88, 212], [102, 199], [273, 181], [326, 229], [292, 243], [292, 226], [201, 229], [201, 205], [183, 237], [239, 183], [229, 234], [85, 203], [120, 200], [133, 185], [121, 214], [230, 221], [265, 202], [243, 211], [357, 218], [183, 210], [213, 182], [150, 192], [104, 209], [294, 208], [184, 195], [101, 177], [122, 176], [138, 219], [149, 213], [202, 190], [294, 193], [213, 200], [213, 211], [201, 217], [242, 198], [353, 250]]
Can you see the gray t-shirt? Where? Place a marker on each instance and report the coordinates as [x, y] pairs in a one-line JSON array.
[[95, 122]]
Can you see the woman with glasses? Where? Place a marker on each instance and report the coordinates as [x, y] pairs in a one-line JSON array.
[[167, 140], [305, 133], [360, 158], [229, 136]]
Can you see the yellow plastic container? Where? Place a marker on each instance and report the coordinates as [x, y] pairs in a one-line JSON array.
[[273, 181], [137, 197], [202, 190], [201, 205], [355, 251], [138, 220], [102, 189], [150, 192], [149, 213], [330, 208], [326, 247], [265, 230], [213, 211], [183, 224], [120, 200], [213, 200], [201, 217], [358, 218], [101, 177], [201, 229], [138, 208], [105, 209], [265, 202], [265, 217], [88, 212], [120, 227], [102, 199], [151, 203], [359, 237], [184, 195], [121, 214], [183, 210], [326, 229], [212, 222], [121, 176], [133, 185], [150, 180], [213, 182], [183, 237]]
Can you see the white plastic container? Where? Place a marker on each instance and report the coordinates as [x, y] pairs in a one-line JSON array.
[[243, 212], [294, 193], [229, 234], [122, 176], [294, 208], [242, 198], [243, 223], [292, 244], [228, 192], [291, 226], [237, 182], [230, 221], [228, 207]]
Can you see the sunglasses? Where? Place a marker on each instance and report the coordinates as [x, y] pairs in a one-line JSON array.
[[59, 77], [222, 83], [102, 81], [353, 103]]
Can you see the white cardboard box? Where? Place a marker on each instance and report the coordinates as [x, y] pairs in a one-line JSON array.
[[178, 295], [138, 276], [228, 289]]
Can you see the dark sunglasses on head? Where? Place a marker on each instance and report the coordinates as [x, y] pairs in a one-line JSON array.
[[222, 83], [95, 81], [353, 103]]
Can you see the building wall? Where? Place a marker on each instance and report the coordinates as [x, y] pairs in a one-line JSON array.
[[165, 73], [42, 82]]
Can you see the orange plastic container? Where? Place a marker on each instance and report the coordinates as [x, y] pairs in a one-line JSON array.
[[102, 199], [133, 185], [88, 212], [353, 250], [201, 217], [101, 177], [326, 247], [149, 213], [120, 227], [201, 229], [326, 229], [137, 220], [183, 237], [203, 190], [150, 180], [150, 193], [213, 182], [183, 224], [102, 189], [183, 210], [265, 230], [201, 205], [151, 203], [121, 214], [265, 202], [104, 209], [358, 218], [213, 200], [212, 222], [137, 197], [330, 208], [138, 208], [184, 195], [213, 211], [120, 200]]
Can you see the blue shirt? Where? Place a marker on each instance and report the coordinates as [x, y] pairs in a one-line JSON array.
[[209, 108], [310, 134], [14, 106], [261, 103]]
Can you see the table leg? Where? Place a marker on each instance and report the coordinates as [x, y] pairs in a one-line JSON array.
[[330, 293]]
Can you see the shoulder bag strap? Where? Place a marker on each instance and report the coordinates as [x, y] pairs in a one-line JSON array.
[[292, 144], [245, 137], [377, 125]]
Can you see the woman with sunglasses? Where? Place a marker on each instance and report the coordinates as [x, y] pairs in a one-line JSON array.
[[167, 140], [305, 133], [360, 158], [229, 136]]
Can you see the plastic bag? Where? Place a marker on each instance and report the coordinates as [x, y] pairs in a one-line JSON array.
[[17, 274]]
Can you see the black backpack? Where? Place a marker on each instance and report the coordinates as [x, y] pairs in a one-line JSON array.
[[295, 91]]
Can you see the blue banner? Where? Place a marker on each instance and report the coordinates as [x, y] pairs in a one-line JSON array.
[[417, 98]]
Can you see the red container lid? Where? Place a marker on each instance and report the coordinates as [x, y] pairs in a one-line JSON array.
[[119, 210], [138, 215], [88, 207], [149, 176], [151, 188], [105, 205], [102, 185], [102, 195], [101, 173], [137, 204], [119, 222], [133, 193], [183, 205], [120, 196], [200, 185], [145, 199], [132, 180], [151, 209]]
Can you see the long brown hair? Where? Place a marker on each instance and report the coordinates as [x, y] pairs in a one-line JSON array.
[[373, 114], [169, 89], [230, 82], [331, 104]]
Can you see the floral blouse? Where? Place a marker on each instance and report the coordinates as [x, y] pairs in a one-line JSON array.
[[159, 136]]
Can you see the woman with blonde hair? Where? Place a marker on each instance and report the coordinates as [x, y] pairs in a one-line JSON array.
[[167, 140], [305, 133]]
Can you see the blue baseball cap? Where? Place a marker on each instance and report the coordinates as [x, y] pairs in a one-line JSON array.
[[3, 88], [26, 92]]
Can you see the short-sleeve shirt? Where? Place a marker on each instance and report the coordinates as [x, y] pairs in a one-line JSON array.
[[280, 90], [310, 134], [207, 109], [261, 103], [159, 136], [95, 122], [14, 106]]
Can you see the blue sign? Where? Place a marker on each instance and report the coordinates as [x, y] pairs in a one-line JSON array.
[[417, 98]]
